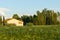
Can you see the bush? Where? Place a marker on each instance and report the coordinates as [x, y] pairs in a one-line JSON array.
[[10, 25], [29, 24]]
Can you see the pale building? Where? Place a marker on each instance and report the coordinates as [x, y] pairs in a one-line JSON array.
[[15, 21]]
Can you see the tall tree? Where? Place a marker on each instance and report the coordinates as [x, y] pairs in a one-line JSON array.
[[0, 20], [3, 21], [35, 20], [41, 17], [27, 19]]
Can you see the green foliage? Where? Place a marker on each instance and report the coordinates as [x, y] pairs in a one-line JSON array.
[[29, 24], [3, 21], [50, 32], [46, 17], [35, 20], [16, 16], [0, 20], [27, 19]]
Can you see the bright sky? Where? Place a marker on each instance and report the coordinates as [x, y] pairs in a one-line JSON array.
[[26, 7]]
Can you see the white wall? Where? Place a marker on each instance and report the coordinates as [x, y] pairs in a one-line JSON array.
[[16, 22]]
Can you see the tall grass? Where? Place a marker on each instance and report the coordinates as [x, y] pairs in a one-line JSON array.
[[42, 32]]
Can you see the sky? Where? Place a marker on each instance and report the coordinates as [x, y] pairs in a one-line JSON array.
[[26, 7]]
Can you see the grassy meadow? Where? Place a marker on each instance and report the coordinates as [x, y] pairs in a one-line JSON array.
[[42, 32]]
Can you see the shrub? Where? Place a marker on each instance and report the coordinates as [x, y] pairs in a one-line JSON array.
[[29, 24], [10, 25]]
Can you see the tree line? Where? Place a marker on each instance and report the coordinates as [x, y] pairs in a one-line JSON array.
[[46, 17]]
